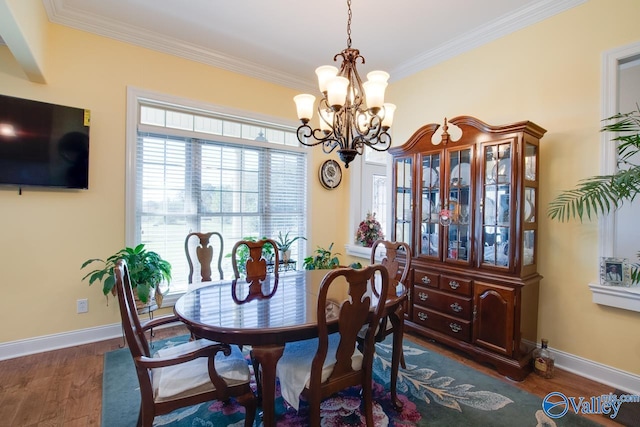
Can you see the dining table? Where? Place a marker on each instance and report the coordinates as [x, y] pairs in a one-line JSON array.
[[267, 324]]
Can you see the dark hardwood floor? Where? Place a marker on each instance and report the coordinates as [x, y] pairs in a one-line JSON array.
[[64, 387]]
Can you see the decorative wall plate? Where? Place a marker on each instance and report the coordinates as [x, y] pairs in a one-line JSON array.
[[430, 177], [330, 174], [461, 175]]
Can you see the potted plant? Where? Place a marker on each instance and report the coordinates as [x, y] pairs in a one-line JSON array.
[[599, 195], [284, 245], [325, 260], [147, 271]]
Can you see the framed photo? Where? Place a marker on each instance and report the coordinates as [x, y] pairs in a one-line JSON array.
[[615, 272]]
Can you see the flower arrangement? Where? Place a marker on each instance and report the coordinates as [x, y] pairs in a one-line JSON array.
[[369, 231]]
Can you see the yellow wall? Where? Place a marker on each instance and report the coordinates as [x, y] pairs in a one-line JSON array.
[[46, 235], [550, 74]]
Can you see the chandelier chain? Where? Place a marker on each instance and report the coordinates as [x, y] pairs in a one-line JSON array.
[[349, 24]]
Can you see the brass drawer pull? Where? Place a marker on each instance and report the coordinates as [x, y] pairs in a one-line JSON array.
[[456, 307], [455, 327], [423, 296], [453, 284], [423, 316], [426, 280]]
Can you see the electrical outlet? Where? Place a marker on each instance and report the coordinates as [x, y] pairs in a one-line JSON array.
[[83, 305]]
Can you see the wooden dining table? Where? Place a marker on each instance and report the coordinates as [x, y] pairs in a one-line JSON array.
[[267, 324]]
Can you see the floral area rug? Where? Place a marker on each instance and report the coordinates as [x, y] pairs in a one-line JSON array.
[[435, 390]]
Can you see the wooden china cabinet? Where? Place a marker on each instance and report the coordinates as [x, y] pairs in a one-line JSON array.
[[468, 207]]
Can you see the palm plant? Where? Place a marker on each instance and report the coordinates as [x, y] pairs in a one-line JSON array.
[[601, 194]]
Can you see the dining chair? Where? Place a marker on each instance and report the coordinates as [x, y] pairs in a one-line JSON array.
[[397, 259], [184, 375], [250, 266], [336, 362], [198, 246]]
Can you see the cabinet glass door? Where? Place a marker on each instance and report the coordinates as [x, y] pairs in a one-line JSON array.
[[459, 204], [430, 205], [530, 206], [496, 205], [403, 200]]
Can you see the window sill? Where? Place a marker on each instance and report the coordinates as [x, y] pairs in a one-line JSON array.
[[358, 251], [617, 296]]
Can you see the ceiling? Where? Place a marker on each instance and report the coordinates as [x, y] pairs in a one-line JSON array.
[[283, 41]]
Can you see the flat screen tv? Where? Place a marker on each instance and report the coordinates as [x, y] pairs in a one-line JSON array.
[[43, 145]]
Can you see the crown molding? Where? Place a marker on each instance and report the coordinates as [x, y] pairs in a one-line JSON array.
[[500, 27], [61, 14]]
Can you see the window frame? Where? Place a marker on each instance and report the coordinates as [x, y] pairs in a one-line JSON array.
[[136, 97], [613, 296], [361, 197]]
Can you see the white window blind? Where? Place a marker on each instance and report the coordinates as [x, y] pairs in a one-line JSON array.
[[187, 181]]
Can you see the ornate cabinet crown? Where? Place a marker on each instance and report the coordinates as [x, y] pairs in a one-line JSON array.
[[466, 200]]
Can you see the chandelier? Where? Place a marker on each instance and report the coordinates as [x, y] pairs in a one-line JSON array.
[[352, 114]]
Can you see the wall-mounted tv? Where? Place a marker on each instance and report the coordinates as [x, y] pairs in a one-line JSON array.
[[43, 145]]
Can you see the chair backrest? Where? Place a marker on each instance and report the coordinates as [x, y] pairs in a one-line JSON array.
[[136, 340], [131, 325], [397, 259], [255, 266], [356, 311], [198, 246]]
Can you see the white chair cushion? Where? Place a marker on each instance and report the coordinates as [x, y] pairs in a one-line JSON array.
[[294, 367], [192, 377]]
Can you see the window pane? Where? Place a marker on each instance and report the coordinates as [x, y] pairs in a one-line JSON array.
[[189, 184]]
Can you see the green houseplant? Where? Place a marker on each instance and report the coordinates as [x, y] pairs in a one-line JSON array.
[[147, 271], [284, 244], [324, 259], [601, 194]]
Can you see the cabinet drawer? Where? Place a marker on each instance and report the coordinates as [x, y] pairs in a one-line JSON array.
[[443, 302], [425, 278], [452, 326], [455, 284]]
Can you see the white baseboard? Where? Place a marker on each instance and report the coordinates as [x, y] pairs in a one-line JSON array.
[[625, 381], [622, 380], [25, 347], [12, 349]]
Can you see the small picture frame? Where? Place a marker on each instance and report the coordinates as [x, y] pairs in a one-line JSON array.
[[615, 272]]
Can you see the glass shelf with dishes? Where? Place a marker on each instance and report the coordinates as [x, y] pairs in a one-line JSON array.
[[496, 206], [430, 205], [403, 199], [459, 202]]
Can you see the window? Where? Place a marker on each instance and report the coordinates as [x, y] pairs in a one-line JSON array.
[[369, 193], [619, 236], [199, 170], [618, 233]]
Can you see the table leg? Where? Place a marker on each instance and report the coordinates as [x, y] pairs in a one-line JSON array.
[[268, 356], [397, 320]]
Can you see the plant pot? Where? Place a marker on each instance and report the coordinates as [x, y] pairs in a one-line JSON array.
[[285, 256], [155, 301]]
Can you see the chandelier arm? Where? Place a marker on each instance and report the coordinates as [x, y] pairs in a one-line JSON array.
[[384, 139], [312, 137]]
